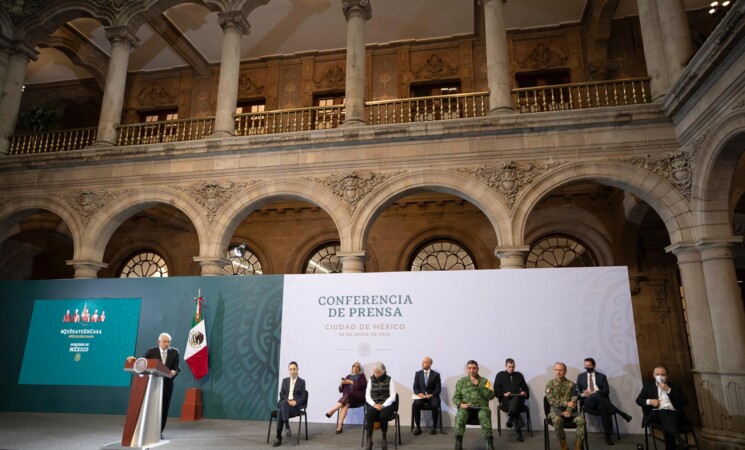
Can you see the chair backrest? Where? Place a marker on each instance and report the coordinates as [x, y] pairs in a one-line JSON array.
[[546, 406]]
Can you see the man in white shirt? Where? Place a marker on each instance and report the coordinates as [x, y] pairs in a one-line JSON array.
[[595, 396], [292, 398], [663, 404]]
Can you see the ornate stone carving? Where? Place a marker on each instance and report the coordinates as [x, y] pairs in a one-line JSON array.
[[542, 57], [156, 95], [233, 22], [435, 68], [248, 87], [354, 7], [676, 166], [352, 187], [739, 105], [212, 195], [508, 178], [3, 200], [661, 308], [335, 77], [87, 202], [117, 5], [698, 141], [121, 36], [21, 10]]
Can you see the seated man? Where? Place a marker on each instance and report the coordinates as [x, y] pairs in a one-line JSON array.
[[427, 388], [472, 394], [595, 393], [512, 391], [292, 398], [663, 405], [562, 397]]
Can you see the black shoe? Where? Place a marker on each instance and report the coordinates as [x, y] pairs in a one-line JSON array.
[[161, 437], [520, 436], [277, 442], [328, 416], [417, 431], [509, 423], [608, 440], [433, 431], [339, 431], [288, 433], [625, 416]]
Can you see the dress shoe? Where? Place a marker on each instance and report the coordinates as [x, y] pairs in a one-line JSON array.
[[608, 440], [433, 431], [520, 436], [339, 430], [162, 438], [625, 416], [288, 433], [328, 415], [417, 431], [277, 442], [509, 423]]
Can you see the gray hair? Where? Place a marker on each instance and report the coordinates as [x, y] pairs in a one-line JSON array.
[[160, 336], [379, 366]]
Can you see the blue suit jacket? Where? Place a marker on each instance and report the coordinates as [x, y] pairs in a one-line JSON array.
[[433, 385], [299, 394]]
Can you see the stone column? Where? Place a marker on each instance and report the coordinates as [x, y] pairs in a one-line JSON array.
[[86, 269], [122, 43], [511, 257], [357, 13], [676, 36], [497, 57], [234, 26], [352, 262], [12, 89], [654, 51], [212, 266], [5, 50]]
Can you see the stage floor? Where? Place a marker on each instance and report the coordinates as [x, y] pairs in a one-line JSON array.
[[91, 431]]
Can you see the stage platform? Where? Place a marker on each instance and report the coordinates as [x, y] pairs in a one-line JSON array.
[[91, 431]]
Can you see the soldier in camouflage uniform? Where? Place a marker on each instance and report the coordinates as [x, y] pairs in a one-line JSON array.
[[562, 397], [472, 393]]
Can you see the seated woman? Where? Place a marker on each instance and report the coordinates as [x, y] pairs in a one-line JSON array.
[[352, 388], [380, 397]]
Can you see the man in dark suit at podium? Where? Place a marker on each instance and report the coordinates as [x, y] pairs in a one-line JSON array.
[[427, 388], [292, 398], [170, 358]]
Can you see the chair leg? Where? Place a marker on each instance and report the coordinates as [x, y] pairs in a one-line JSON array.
[[546, 443], [618, 431], [306, 427], [499, 420], [268, 433], [299, 427], [530, 424]]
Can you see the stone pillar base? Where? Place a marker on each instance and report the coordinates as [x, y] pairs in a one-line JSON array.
[[212, 266], [222, 134], [86, 269], [352, 262], [348, 123], [501, 110]]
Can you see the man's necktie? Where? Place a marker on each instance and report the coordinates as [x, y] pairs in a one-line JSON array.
[[163, 355], [591, 384]]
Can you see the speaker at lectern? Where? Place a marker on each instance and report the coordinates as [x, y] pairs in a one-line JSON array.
[[142, 425]]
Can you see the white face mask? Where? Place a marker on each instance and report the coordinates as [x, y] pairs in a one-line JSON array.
[[661, 379]]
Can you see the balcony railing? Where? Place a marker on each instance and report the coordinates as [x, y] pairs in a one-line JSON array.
[[289, 120], [164, 131], [427, 109], [52, 141], [563, 97]]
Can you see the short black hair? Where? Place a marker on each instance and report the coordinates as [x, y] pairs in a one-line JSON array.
[[293, 362], [470, 361], [509, 361], [592, 361]]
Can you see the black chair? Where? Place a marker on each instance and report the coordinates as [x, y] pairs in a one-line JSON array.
[[428, 407], [568, 425], [596, 412], [395, 416], [302, 413], [523, 410], [650, 429]]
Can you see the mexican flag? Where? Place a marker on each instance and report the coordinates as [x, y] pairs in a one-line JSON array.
[[196, 345]]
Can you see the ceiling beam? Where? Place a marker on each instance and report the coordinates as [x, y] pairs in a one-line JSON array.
[[170, 33]]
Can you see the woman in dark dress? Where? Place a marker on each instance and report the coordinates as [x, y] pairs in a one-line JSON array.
[[352, 388]]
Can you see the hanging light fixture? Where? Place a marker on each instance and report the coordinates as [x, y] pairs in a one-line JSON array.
[[716, 5]]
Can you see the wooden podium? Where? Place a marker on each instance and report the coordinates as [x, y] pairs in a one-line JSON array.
[[142, 425]]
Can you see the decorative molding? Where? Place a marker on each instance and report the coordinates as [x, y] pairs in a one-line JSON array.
[[116, 5], [542, 57], [123, 35], [435, 68], [3, 200], [739, 105], [509, 178], [335, 77], [698, 141], [360, 8], [248, 87], [87, 202], [661, 307], [156, 94], [233, 22], [20, 10], [352, 187], [212, 195], [676, 166]]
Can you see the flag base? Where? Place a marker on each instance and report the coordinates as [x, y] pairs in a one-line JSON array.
[[191, 410]]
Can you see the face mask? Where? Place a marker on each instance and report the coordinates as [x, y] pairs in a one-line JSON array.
[[661, 379], [589, 369]]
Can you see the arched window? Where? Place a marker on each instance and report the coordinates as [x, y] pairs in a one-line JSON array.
[[242, 261], [324, 259], [144, 264], [559, 251], [442, 254]]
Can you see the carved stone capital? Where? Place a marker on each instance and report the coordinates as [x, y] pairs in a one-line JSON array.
[[212, 266], [122, 36], [212, 195], [86, 269], [509, 178], [87, 202], [676, 167], [233, 22], [352, 187], [357, 8]]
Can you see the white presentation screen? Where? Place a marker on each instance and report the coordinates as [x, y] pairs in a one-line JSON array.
[[536, 316]]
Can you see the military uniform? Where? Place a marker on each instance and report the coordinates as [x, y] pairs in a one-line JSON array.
[[474, 395], [559, 393]]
